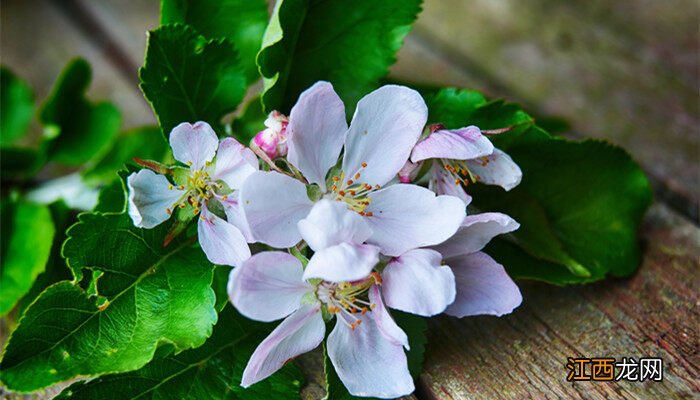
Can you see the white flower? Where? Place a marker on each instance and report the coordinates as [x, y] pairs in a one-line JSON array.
[[386, 125], [462, 156], [153, 199]]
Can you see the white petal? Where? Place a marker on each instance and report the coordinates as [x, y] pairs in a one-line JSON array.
[[234, 163], [194, 145], [342, 262], [221, 241], [408, 216], [476, 231], [459, 144], [273, 204], [235, 216], [385, 322], [496, 169], [443, 182], [301, 332], [150, 198], [316, 132], [415, 282], [268, 286], [367, 363], [483, 287], [330, 223], [384, 129]]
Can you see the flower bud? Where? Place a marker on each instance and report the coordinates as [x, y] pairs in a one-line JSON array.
[[273, 139]]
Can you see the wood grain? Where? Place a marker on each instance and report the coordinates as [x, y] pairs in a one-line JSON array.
[[653, 314], [624, 71]]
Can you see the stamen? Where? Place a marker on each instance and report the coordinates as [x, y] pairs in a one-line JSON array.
[[364, 165], [170, 187]]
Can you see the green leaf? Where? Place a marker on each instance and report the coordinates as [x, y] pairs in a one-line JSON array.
[[76, 130], [147, 295], [188, 78], [348, 43], [19, 163], [27, 233], [112, 198], [146, 142], [580, 204], [16, 107], [56, 269], [242, 22], [212, 371], [252, 121], [415, 328]]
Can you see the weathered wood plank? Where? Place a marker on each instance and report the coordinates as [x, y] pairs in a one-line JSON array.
[[523, 355], [37, 40], [624, 71]]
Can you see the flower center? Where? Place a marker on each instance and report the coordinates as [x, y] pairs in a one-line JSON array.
[[353, 192], [459, 171], [199, 189], [343, 299]]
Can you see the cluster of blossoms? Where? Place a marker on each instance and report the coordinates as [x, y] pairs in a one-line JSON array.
[[356, 237]]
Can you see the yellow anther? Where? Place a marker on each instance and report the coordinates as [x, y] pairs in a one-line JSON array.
[[181, 205], [369, 214], [170, 187], [357, 176], [196, 211], [189, 163], [364, 165], [181, 187], [350, 182], [336, 179], [224, 197], [167, 210]]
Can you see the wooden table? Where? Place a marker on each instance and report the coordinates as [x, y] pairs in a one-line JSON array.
[[625, 71]]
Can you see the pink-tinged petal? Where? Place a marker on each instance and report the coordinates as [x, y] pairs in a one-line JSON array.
[[299, 333], [475, 233], [444, 182], [367, 363], [483, 287], [194, 145], [342, 262], [268, 286], [316, 132], [459, 144], [384, 129], [273, 204], [408, 172], [384, 321], [234, 163], [330, 223], [496, 169], [406, 217], [417, 283], [221, 241], [150, 198], [234, 215]]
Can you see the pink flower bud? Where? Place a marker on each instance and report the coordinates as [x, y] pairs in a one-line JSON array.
[[273, 139]]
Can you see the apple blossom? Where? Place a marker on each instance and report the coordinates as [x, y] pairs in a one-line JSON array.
[[216, 170]]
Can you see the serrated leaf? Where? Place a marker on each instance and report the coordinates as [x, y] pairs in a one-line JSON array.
[[188, 78], [16, 107], [145, 142], [415, 328], [147, 295], [27, 233], [212, 371], [75, 129], [351, 44], [579, 204], [242, 22]]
